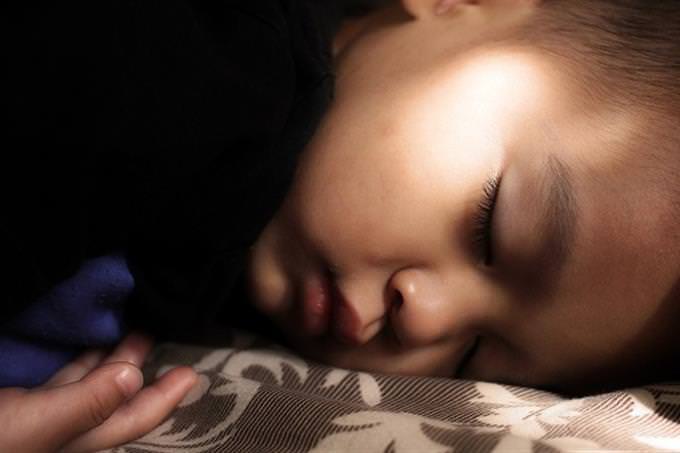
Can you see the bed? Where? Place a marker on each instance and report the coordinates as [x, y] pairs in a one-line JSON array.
[[255, 396]]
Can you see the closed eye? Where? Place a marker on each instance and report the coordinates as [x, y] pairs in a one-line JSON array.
[[483, 224]]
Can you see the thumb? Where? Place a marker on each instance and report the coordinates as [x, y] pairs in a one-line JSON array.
[[78, 407]]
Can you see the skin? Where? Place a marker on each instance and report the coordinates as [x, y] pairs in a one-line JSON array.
[[428, 107], [94, 403]]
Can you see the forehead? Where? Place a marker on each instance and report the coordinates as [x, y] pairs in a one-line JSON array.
[[413, 53], [464, 108], [430, 87]]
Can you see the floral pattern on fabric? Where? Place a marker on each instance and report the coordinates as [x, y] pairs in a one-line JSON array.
[[255, 396]]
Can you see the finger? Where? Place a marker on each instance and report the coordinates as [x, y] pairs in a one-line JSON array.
[[141, 415], [134, 348], [77, 369], [75, 408]]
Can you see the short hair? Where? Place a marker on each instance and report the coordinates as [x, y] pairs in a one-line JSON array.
[[627, 52], [633, 45]]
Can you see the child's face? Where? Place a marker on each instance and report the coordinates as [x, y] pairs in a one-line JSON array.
[[374, 260]]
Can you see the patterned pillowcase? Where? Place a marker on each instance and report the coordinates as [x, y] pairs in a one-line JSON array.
[[256, 396]]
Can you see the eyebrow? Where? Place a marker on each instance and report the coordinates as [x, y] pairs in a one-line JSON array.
[[560, 214]]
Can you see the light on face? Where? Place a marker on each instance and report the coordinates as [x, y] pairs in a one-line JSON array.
[[472, 109]]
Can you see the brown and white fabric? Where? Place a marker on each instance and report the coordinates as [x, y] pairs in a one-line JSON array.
[[254, 396]]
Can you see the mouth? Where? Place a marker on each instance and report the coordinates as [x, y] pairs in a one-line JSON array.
[[325, 311], [327, 315], [316, 306]]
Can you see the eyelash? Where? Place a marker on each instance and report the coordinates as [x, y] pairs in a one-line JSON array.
[[484, 221]]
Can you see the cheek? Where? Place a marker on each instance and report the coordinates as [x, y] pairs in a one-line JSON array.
[[618, 270], [598, 318], [382, 356], [348, 197], [268, 284], [496, 361]]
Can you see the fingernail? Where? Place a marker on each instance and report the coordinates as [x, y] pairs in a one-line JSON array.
[[130, 380]]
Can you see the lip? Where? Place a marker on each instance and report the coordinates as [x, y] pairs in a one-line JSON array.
[[316, 306], [326, 311]]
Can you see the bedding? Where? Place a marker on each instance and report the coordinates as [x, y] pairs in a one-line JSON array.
[[255, 396]]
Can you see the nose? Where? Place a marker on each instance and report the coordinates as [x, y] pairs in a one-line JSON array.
[[359, 309], [424, 309], [419, 305]]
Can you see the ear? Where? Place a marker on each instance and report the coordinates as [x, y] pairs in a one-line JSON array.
[[426, 8]]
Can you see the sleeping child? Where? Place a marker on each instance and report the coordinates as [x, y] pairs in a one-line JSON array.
[[499, 201], [491, 193]]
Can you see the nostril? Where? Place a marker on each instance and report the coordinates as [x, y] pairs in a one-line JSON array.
[[397, 300], [392, 325], [423, 309], [394, 299]]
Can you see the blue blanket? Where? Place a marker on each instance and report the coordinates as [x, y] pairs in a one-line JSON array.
[[81, 312]]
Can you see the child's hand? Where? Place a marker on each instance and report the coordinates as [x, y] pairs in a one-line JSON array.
[[91, 403]]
